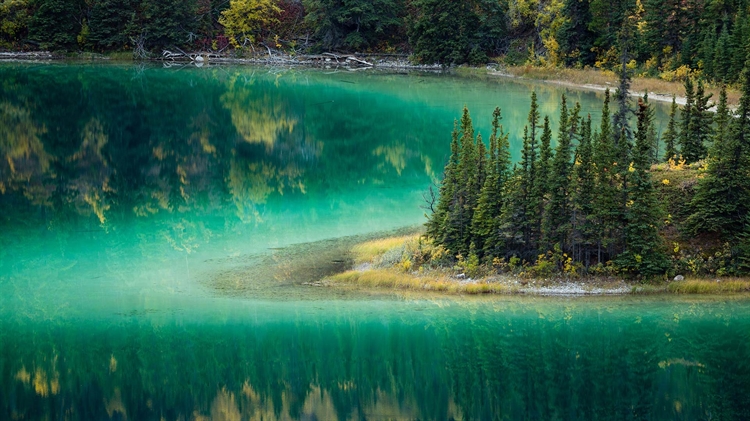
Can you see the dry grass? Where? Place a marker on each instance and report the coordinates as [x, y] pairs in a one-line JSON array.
[[392, 279], [604, 79], [368, 251], [703, 286]]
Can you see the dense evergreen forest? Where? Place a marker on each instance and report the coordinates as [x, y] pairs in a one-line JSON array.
[[671, 39], [591, 204]]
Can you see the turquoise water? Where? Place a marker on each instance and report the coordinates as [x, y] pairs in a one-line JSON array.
[[157, 226]]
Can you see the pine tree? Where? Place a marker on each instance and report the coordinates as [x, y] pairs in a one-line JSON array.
[[447, 195], [686, 140], [644, 251], [557, 215], [722, 57], [583, 196], [541, 186], [671, 135], [459, 220], [485, 225], [607, 210], [723, 118], [653, 138], [700, 125], [722, 198]]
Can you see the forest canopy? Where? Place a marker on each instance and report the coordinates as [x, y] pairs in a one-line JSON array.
[[671, 39]]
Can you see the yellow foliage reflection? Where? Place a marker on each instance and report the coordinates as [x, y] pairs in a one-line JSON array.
[[25, 162], [257, 118]]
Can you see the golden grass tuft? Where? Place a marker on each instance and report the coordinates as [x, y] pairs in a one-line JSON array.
[[384, 278], [701, 286], [368, 251]]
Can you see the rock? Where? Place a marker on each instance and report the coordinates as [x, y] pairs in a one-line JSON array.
[[461, 276], [679, 278], [199, 58]]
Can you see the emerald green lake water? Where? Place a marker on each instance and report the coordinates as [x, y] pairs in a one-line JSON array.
[[157, 226]]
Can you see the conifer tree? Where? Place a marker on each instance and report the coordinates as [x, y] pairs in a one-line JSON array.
[[700, 125], [541, 187], [516, 223], [584, 189], [671, 135], [722, 57], [722, 198], [722, 120], [557, 215], [607, 208], [686, 140], [535, 178], [644, 251], [459, 220], [447, 195], [486, 223]]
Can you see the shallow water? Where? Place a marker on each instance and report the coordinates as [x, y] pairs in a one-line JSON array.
[[157, 225]]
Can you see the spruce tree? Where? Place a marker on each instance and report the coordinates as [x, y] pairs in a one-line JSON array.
[[485, 225], [722, 198], [644, 251], [541, 186], [583, 196], [459, 220], [447, 195], [722, 57], [557, 215], [607, 210], [722, 120], [686, 140], [671, 135], [700, 124]]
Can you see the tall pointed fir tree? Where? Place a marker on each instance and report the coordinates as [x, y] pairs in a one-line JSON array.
[[700, 125], [644, 251], [486, 222], [557, 215], [687, 148], [670, 134], [459, 220], [722, 198], [583, 195], [607, 212], [537, 173], [541, 188], [447, 194]]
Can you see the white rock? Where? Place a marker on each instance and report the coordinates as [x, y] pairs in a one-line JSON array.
[[679, 278]]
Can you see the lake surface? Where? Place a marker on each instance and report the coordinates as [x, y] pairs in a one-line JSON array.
[[157, 226]]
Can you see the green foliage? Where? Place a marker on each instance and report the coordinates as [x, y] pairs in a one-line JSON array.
[[108, 24], [55, 23], [671, 134], [722, 199], [455, 32], [558, 211], [575, 37], [354, 24], [644, 251]]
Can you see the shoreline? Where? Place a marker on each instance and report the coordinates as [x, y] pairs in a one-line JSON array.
[[588, 79], [380, 265]]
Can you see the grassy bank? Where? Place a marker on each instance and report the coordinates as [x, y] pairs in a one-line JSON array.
[[595, 79], [395, 263]]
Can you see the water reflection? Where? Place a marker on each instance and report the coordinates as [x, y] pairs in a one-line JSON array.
[[385, 360], [90, 143]]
